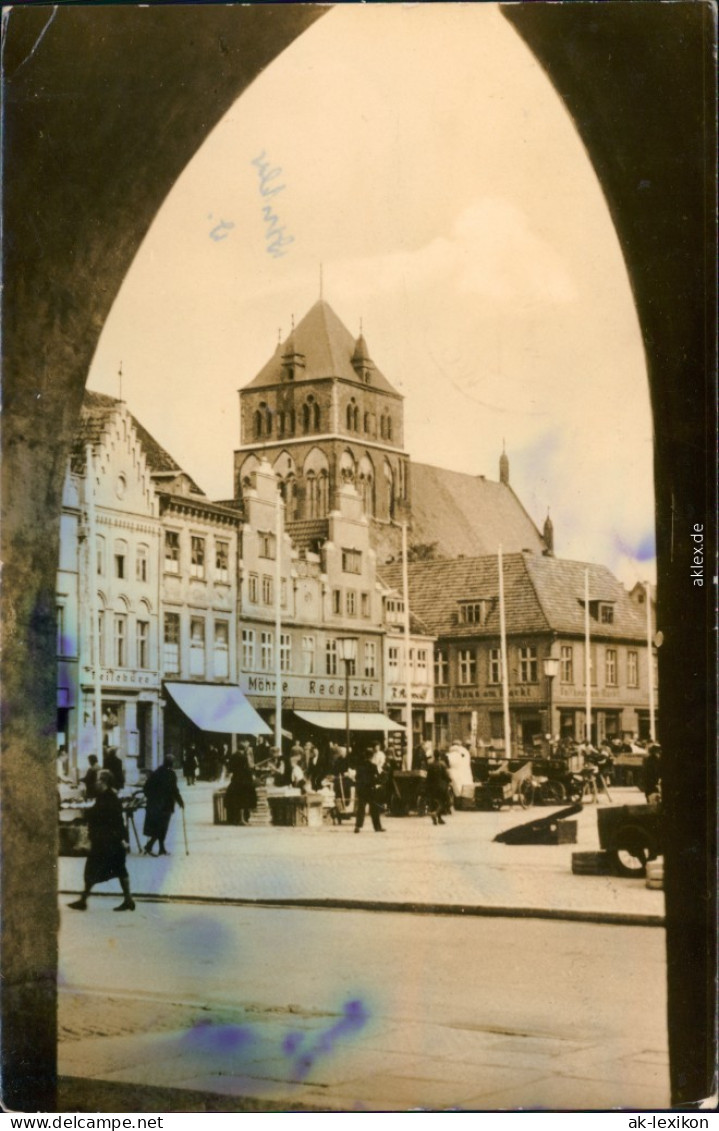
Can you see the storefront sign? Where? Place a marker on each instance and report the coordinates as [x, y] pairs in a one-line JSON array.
[[447, 694], [116, 677], [309, 687], [397, 694]]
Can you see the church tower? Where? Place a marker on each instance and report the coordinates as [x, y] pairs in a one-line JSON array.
[[324, 416]]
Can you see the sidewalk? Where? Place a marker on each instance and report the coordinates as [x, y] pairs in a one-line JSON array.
[[413, 866]]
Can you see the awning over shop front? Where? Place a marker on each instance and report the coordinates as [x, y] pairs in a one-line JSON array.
[[217, 707], [359, 720]]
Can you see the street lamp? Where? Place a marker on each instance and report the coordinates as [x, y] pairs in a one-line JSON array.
[[551, 668], [347, 653]]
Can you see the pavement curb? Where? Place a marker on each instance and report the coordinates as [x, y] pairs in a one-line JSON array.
[[612, 918]]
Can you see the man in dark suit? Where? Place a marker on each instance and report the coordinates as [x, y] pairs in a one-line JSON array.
[[367, 786]]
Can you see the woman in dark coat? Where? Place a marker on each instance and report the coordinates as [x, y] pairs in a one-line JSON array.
[[162, 794], [108, 845], [241, 795], [437, 789]]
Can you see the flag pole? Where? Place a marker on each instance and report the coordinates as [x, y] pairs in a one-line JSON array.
[[503, 652], [278, 622], [650, 662], [587, 663], [407, 669]]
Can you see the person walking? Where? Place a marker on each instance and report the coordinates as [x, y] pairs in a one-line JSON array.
[[367, 784], [114, 764], [90, 779], [106, 859], [189, 764], [240, 795], [437, 789], [162, 793]]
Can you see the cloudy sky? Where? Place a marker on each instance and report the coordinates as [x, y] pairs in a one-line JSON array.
[[427, 163]]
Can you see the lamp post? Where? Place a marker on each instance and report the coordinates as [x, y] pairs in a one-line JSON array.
[[551, 668], [347, 653]]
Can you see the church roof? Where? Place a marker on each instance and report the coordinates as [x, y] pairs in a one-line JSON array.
[[542, 594], [327, 348], [96, 414], [468, 515]]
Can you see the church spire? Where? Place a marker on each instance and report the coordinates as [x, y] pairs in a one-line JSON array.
[[548, 534], [504, 466]]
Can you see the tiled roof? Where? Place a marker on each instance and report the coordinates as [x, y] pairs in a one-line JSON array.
[[308, 532], [96, 413], [542, 594], [327, 347], [468, 515]]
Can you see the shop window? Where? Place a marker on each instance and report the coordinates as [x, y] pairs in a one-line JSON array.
[[222, 561], [120, 559], [610, 667], [60, 617], [467, 666], [267, 651], [351, 561], [267, 546], [143, 644], [141, 564], [308, 655], [528, 665], [100, 555], [172, 551], [197, 646], [171, 640], [120, 640], [221, 662], [197, 557], [248, 649], [566, 664], [101, 637]]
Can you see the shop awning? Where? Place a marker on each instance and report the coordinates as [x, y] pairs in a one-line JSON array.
[[359, 720], [217, 707]]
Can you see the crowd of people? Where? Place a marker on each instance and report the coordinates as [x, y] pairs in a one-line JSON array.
[[358, 781]]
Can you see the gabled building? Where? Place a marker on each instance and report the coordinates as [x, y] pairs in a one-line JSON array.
[[328, 592], [323, 414], [112, 513], [545, 621]]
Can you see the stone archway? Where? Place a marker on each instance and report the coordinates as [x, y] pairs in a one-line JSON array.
[[93, 150]]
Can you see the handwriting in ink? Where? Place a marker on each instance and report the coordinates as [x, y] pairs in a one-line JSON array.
[[276, 237], [224, 226]]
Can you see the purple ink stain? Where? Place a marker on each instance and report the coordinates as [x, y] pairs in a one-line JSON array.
[[644, 550], [291, 1043], [207, 1037], [354, 1017]]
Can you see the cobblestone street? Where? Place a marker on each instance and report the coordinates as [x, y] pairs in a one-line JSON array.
[[197, 997]]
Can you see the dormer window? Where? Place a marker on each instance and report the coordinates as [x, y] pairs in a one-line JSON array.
[[606, 613], [601, 611], [475, 611]]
